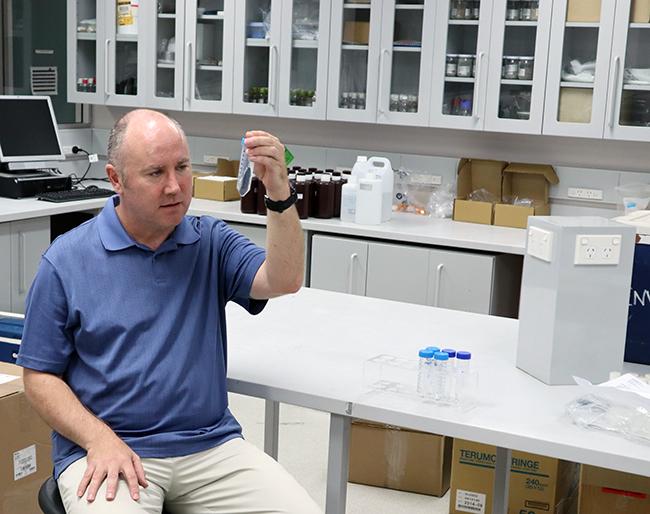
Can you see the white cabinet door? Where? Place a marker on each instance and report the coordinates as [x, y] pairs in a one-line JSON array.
[[29, 240], [405, 62], [339, 264], [397, 272], [257, 56], [5, 267], [209, 55], [628, 106], [458, 94], [460, 280], [578, 71], [517, 66], [304, 54], [126, 52], [354, 61], [86, 56], [164, 64]]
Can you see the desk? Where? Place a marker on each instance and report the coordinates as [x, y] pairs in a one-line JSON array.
[[314, 346]]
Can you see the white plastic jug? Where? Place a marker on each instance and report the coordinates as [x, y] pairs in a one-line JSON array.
[[349, 200], [369, 200], [360, 167], [382, 168]]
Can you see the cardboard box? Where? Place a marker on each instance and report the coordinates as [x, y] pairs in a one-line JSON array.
[[25, 448], [575, 105], [356, 32], [227, 167], [215, 187], [538, 485], [397, 458], [583, 10], [476, 174], [640, 11], [524, 181], [603, 491]]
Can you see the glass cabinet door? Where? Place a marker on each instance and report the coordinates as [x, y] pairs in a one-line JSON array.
[[404, 62], [164, 63], [518, 57], [208, 53], [85, 57], [578, 68], [304, 55], [257, 56], [628, 107], [354, 60], [460, 70], [124, 47]]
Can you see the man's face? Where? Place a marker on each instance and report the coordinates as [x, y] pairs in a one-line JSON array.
[[156, 184]]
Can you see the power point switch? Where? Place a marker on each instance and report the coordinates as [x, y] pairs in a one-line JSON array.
[[540, 243]]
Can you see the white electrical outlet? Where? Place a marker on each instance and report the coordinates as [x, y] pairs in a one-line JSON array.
[[67, 150], [436, 180], [585, 194], [540, 243], [93, 157], [600, 250], [210, 159]]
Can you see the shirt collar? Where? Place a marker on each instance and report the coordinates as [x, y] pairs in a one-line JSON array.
[[114, 237]]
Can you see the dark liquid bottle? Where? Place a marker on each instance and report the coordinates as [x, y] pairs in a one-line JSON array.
[[249, 200], [325, 195], [303, 189], [338, 185], [261, 192], [313, 193]]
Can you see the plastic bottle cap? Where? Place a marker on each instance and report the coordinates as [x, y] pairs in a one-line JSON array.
[[441, 356], [427, 354], [464, 356], [325, 178], [433, 348], [450, 351]]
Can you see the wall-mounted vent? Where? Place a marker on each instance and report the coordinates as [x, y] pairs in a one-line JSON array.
[[44, 80]]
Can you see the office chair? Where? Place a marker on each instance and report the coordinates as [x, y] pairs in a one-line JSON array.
[[49, 499]]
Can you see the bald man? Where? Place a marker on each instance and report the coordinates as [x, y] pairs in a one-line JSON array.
[[124, 347]]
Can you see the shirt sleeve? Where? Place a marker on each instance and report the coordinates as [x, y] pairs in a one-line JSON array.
[[239, 261], [46, 343]]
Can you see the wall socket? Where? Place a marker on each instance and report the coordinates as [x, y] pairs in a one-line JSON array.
[[210, 159], [540, 243], [585, 194], [599, 250]]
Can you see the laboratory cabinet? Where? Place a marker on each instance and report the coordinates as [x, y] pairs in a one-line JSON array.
[[22, 244], [461, 280]]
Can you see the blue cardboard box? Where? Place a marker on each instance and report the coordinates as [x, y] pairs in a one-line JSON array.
[[637, 343]]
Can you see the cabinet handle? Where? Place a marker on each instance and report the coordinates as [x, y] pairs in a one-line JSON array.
[[21, 263], [353, 257], [106, 67], [614, 97], [380, 95], [188, 68], [436, 291], [477, 89], [272, 78]]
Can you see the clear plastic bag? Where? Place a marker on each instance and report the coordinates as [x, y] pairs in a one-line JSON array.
[[482, 195], [400, 190]]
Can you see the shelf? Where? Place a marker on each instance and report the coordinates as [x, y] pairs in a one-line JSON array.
[[640, 25], [463, 22], [578, 85], [347, 46], [87, 36], [582, 25], [166, 16], [407, 48], [304, 43], [209, 67], [466, 80], [356, 6], [636, 87], [516, 82], [130, 38], [210, 17], [166, 65], [257, 42], [409, 7], [521, 24]]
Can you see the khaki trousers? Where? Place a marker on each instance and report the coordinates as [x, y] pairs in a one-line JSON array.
[[234, 478]]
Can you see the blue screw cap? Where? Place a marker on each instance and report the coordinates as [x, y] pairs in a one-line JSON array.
[[441, 356], [464, 356], [426, 353], [450, 351]]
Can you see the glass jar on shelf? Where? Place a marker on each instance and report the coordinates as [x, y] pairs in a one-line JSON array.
[[535, 10], [455, 7], [525, 70], [510, 67], [452, 65], [344, 103], [473, 66], [476, 10], [403, 103], [353, 100], [512, 10], [464, 68], [526, 11], [465, 107], [361, 100], [412, 103], [394, 102], [468, 13]]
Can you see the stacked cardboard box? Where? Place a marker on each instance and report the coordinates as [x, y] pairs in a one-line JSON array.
[[220, 185], [603, 491]]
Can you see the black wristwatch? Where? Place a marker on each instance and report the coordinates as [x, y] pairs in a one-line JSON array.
[[282, 205]]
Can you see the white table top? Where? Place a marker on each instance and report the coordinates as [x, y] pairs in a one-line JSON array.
[[310, 348], [403, 227]]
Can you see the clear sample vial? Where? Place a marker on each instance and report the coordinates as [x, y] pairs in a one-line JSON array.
[[465, 379], [441, 379], [464, 68], [424, 372], [525, 70], [510, 67], [452, 65]]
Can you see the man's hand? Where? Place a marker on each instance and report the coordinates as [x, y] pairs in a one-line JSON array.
[[108, 458], [267, 152]]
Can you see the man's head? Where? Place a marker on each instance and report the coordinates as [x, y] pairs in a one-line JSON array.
[[149, 167]]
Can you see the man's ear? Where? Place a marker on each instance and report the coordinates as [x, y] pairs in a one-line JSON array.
[[114, 177]]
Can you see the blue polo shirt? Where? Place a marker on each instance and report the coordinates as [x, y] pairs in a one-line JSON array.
[[140, 335]]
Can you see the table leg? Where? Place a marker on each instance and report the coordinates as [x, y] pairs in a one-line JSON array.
[[337, 465], [271, 427], [501, 481]]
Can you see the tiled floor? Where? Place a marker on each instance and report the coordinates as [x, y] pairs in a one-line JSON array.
[[303, 451]]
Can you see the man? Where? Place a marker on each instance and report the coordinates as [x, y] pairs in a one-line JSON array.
[[124, 346]]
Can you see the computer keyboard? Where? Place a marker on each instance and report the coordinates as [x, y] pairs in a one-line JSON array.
[[72, 195]]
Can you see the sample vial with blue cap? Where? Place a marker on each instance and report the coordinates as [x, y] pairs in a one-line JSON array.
[[442, 377], [465, 380], [424, 371], [434, 349]]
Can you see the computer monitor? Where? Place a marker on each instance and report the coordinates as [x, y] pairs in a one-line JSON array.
[[28, 130]]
